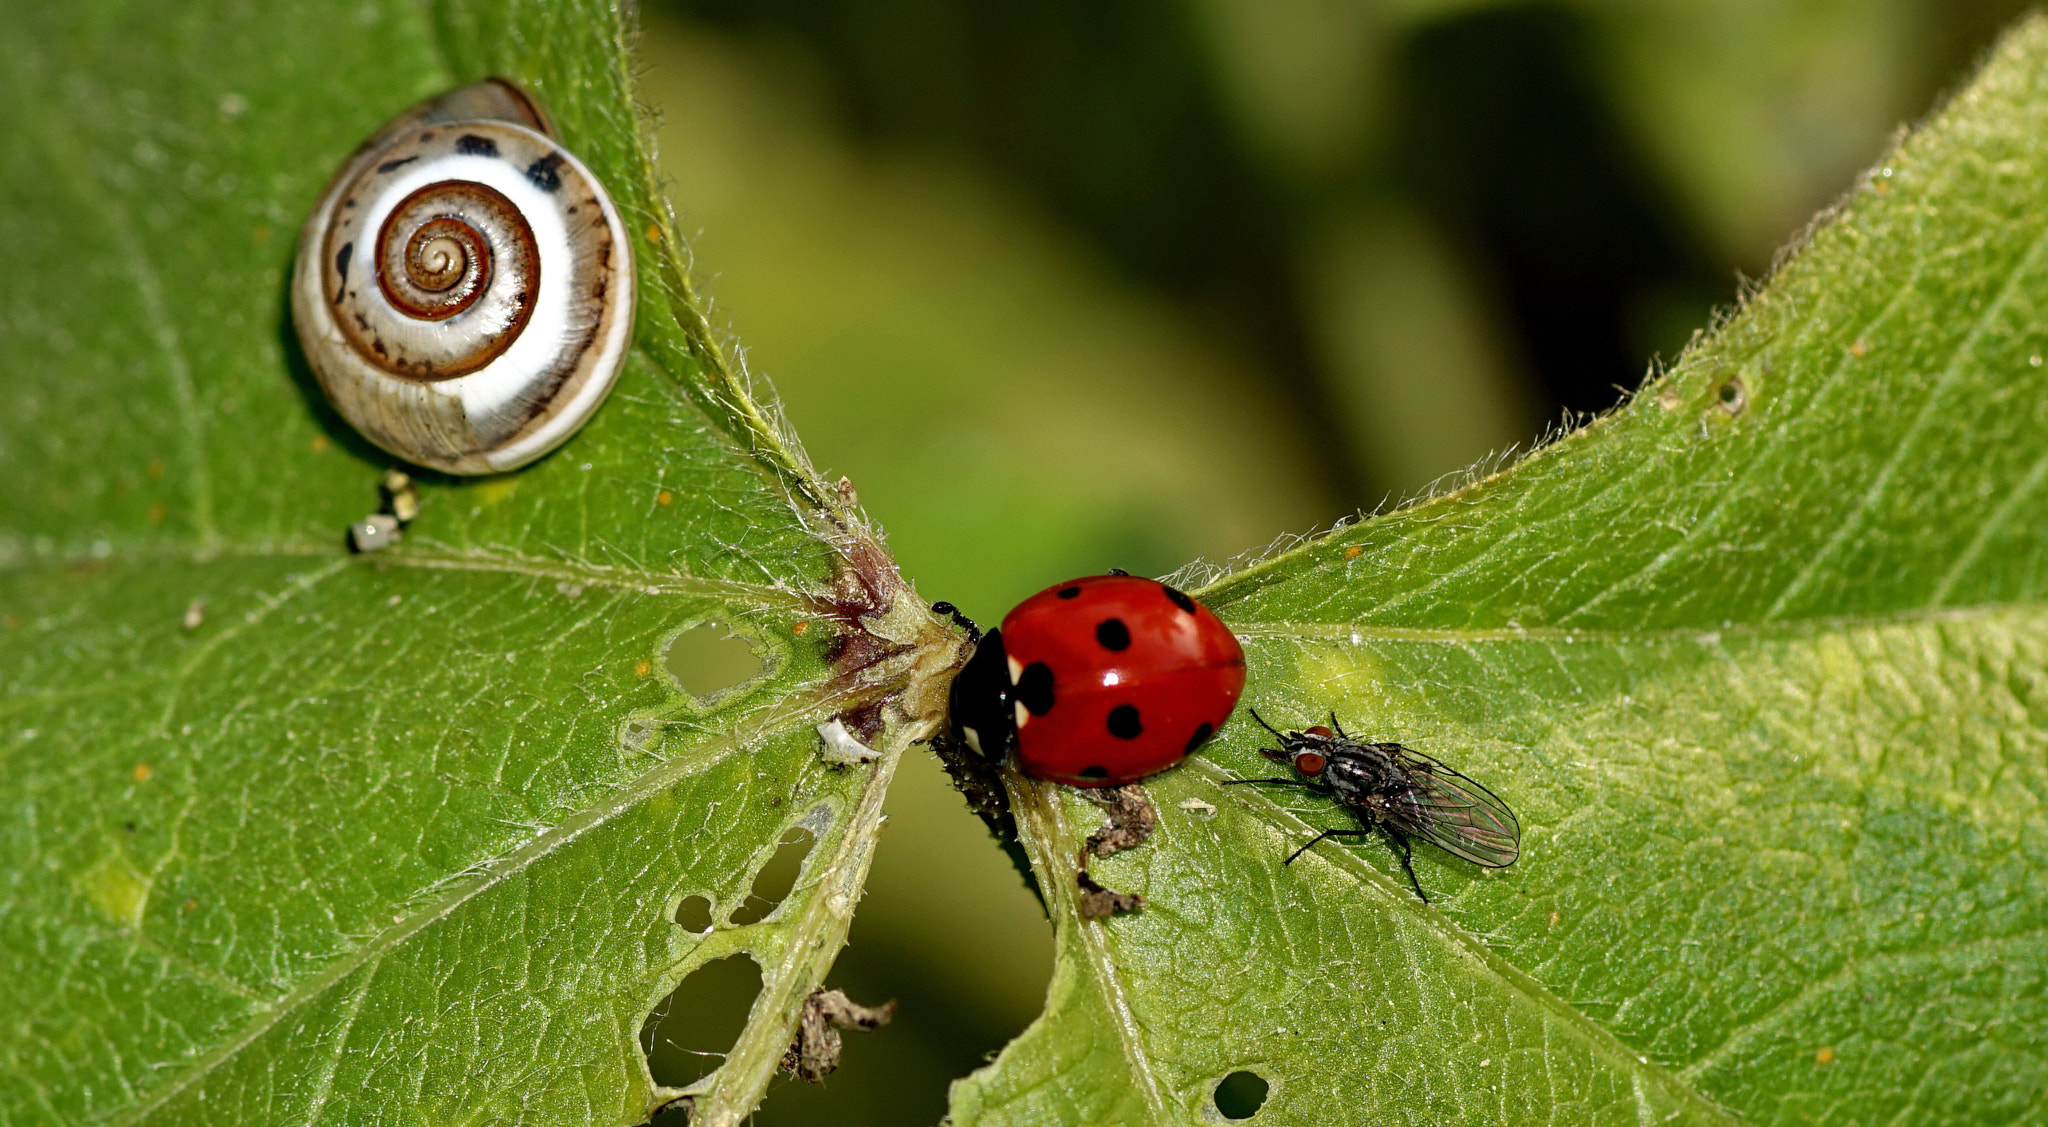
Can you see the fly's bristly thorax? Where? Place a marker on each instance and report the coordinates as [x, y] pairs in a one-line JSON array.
[[1353, 778]]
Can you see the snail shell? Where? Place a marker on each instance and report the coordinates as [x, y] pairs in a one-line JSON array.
[[464, 289]]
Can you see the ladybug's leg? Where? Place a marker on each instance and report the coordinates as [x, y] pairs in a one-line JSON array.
[[962, 621], [1400, 842]]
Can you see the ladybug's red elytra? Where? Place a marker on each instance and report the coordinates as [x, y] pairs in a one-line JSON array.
[[1099, 681]]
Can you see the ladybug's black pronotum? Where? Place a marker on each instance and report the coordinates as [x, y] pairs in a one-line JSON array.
[[1399, 793]]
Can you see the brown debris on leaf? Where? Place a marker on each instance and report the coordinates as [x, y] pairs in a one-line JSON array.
[[815, 1053], [1132, 818], [890, 656], [1099, 903]]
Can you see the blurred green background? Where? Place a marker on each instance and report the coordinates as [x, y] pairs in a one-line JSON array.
[[1064, 285]]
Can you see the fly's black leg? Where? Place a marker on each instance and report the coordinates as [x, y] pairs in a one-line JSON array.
[[1266, 726], [962, 621], [1340, 728], [1321, 836], [1399, 841]]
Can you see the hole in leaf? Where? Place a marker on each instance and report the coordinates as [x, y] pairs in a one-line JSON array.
[[689, 1033], [1241, 1094], [943, 906], [776, 878], [641, 736], [1733, 396], [707, 659], [694, 914]]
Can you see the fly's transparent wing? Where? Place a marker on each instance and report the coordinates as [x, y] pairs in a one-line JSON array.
[[1456, 814]]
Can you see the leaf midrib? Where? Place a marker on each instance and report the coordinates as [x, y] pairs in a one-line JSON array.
[[1784, 628], [1043, 825], [637, 580]]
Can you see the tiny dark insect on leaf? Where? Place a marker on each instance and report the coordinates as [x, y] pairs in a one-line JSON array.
[[1399, 793]]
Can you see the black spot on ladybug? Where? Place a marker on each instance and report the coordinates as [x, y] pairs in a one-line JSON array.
[[1034, 688], [1179, 600], [341, 258], [1124, 723], [395, 165], [1202, 733], [1094, 771], [471, 145], [1112, 634], [546, 172], [1069, 592]]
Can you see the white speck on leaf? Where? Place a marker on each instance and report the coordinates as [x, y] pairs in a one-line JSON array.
[[841, 748]]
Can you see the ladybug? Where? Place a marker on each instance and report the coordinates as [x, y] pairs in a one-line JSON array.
[[1099, 681]]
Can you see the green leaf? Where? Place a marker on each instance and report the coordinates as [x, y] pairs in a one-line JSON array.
[[1760, 659], [291, 835]]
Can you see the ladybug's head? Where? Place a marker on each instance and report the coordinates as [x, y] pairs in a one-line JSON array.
[[980, 700]]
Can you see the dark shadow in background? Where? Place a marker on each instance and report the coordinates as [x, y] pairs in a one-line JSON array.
[[1505, 138], [1106, 114]]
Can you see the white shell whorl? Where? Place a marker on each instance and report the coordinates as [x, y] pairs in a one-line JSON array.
[[464, 289]]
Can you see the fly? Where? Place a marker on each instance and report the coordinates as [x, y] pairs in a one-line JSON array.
[[1399, 793]]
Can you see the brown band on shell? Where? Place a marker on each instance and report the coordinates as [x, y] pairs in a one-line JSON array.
[[441, 251], [446, 261]]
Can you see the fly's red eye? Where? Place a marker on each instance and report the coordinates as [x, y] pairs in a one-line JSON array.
[[1319, 730], [1309, 763]]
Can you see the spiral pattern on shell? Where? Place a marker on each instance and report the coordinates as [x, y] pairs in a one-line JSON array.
[[464, 291]]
